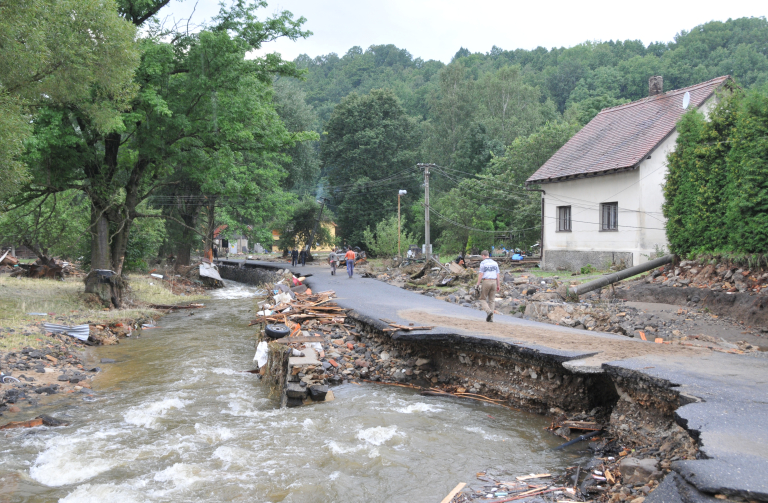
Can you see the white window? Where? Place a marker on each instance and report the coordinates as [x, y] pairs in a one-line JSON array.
[[609, 217], [563, 219]]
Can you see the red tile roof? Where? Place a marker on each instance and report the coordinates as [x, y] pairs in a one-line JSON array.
[[620, 137]]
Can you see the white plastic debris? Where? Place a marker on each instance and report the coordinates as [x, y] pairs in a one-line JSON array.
[[158, 276], [261, 354], [266, 312], [281, 298], [296, 352]]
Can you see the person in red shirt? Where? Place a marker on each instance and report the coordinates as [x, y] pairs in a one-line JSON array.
[[350, 256]]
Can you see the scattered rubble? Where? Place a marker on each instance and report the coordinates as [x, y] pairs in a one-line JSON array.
[[543, 298]]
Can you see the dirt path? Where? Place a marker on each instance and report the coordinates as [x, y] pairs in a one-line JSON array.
[[610, 348]]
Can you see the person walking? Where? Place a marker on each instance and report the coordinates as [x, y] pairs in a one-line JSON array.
[[489, 282], [303, 257], [294, 257], [350, 256], [333, 260]]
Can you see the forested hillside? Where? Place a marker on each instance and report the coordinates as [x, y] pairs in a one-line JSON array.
[[497, 115]]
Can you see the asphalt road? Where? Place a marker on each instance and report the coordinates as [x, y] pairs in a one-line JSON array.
[[729, 392]]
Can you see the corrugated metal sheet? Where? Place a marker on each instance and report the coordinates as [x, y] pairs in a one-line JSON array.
[[209, 271], [620, 137], [79, 331]]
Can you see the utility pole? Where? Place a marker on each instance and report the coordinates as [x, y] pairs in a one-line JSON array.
[[427, 245], [399, 193], [314, 230]]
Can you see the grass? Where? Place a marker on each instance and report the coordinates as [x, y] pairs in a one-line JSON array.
[[65, 299]]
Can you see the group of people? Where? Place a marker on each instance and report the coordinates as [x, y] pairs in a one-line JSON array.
[[298, 257], [335, 257]]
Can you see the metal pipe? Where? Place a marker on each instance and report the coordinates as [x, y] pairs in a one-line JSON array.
[[618, 276]]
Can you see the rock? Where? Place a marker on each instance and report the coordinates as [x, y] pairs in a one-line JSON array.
[[52, 421], [107, 360], [360, 363], [520, 281], [294, 402], [63, 378], [318, 392], [384, 356], [294, 390], [635, 470], [52, 359], [13, 408], [421, 362]]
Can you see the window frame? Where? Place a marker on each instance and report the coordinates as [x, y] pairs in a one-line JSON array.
[[560, 220], [605, 226]]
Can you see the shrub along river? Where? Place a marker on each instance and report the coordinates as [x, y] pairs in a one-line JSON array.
[[175, 419]]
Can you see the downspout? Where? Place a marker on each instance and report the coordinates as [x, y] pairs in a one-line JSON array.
[[541, 239]]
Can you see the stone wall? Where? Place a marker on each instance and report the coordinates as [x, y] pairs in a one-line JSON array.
[[573, 260], [248, 275]]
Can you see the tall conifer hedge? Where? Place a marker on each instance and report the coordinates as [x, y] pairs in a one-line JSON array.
[[716, 192]]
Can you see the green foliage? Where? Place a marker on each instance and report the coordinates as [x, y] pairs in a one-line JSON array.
[[382, 241], [588, 269], [716, 192], [145, 240], [296, 229], [74, 53], [14, 131], [54, 225], [368, 138]]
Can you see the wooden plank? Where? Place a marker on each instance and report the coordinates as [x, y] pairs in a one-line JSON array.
[[300, 338], [454, 492], [532, 476]]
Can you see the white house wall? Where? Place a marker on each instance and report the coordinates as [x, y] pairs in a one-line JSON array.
[[641, 223], [640, 220]]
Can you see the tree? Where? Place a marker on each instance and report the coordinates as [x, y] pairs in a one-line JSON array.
[[383, 240], [509, 107], [304, 165], [368, 139], [198, 98], [297, 229], [72, 53]]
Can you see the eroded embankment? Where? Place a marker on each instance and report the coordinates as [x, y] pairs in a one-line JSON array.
[[638, 411]]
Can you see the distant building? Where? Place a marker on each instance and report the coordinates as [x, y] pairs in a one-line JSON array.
[[233, 245], [603, 193]]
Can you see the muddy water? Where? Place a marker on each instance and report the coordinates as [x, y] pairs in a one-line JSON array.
[[175, 420]]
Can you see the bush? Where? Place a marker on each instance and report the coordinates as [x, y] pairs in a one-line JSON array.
[[383, 241], [716, 192]]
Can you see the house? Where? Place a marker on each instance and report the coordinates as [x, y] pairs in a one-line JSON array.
[[602, 192], [232, 246]]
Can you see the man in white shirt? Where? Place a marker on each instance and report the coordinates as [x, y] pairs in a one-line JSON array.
[[489, 282]]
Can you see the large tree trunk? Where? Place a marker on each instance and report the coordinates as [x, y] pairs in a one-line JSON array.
[[184, 247]]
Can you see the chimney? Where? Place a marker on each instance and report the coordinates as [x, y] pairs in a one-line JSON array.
[[655, 85]]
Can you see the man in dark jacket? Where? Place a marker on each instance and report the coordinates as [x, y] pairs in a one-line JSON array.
[[294, 256], [302, 257]]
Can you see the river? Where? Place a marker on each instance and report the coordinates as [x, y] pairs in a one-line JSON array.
[[176, 420]]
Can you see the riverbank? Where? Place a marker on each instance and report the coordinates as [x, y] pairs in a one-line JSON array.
[[42, 364]]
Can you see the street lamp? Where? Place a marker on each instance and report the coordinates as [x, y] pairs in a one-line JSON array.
[[399, 193]]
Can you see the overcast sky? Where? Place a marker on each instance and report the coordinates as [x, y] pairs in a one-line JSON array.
[[436, 29]]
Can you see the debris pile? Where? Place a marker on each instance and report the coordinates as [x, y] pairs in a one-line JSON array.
[[184, 280], [50, 268], [717, 276]]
